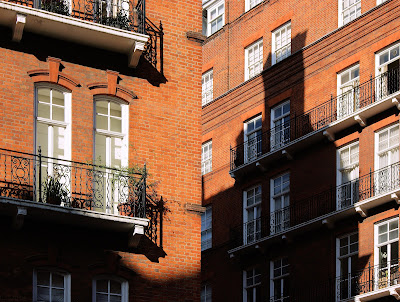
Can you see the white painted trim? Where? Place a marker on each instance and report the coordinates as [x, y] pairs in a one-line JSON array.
[[210, 7]]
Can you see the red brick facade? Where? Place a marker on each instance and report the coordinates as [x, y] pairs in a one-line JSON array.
[[320, 50], [164, 133]]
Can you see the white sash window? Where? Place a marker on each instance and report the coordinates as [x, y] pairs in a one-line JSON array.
[[252, 214], [280, 125], [252, 139], [347, 176], [280, 201], [348, 100]]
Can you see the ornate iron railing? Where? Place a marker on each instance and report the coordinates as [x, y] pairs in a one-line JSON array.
[[354, 100], [370, 279], [128, 15], [335, 199], [72, 184]]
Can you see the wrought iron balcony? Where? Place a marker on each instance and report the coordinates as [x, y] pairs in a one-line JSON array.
[[69, 184], [360, 194], [323, 117], [380, 280], [127, 15]]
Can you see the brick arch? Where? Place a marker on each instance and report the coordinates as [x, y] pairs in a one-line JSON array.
[[53, 75], [112, 88]]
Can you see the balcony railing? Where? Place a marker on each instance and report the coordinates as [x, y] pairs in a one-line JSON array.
[[371, 279], [339, 198], [128, 15], [72, 184], [335, 109]]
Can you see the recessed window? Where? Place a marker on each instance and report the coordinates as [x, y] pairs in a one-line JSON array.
[[206, 157], [280, 285], [280, 125], [252, 285], [253, 59], [51, 286], [110, 289], [349, 10], [252, 215], [252, 139], [206, 229], [280, 211], [346, 268], [213, 17], [207, 87], [348, 100], [281, 43], [347, 176]]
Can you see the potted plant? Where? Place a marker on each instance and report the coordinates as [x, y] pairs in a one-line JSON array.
[[55, 193], [56, 6]]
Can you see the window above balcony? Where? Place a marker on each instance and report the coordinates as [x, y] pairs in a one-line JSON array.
[[93, 23]]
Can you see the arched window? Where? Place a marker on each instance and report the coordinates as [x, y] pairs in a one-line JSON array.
[[110, 289], [51, 285]]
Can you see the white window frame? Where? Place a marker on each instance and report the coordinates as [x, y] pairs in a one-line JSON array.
[[382, 86], [377, 283], [67, 282], [343, 189], [341, 11], [258, 44], [206, 157], [253, 225], [207, 87], [50, 122], [209, 8], [284, 131], [124, 286], [256, 274], [380, 1], [252, 147], [280, 277], [349, 265], [206, 293], [348, 100], [284, 215], [206, 228], [383, 181], [249, 5], [287, 28]]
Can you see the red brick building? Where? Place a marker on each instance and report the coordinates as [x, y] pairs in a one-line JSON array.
[[100, 188], [300, 156]]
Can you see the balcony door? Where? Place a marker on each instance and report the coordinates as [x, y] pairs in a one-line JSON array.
[[280, 210], [252, 215], [280, 125], [53, 137], [348, 92], [346, 267], [386, 254], [252, 139], [347, 176], [387, 64], [111, 184], [386, 176]]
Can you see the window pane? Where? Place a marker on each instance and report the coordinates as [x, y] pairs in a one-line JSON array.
[[58, 98], [115, 109], [115, 298], [102, 107], [42, 138], [58, 142], [102, 286], [44, 110], [44, 95], [101, 298], [100, 150], [116, 125], [43, 278], [115, 287], [57, 295], [43, 294], [58, 113], [58, 280], [102, 122]]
